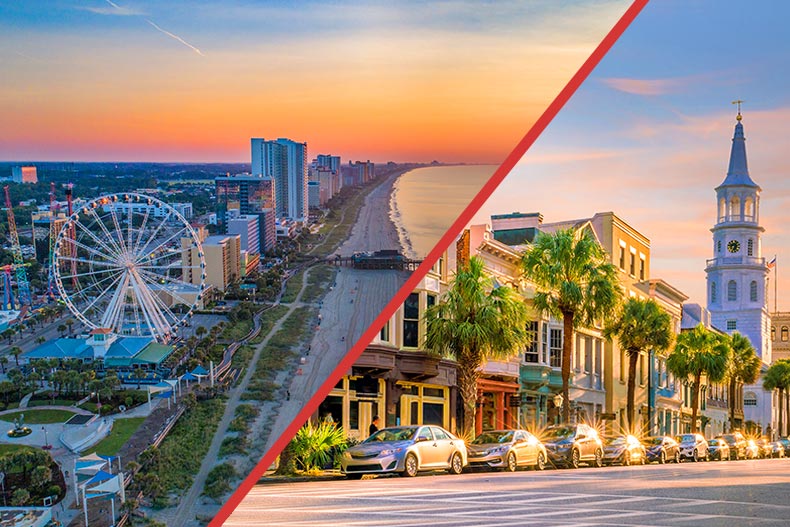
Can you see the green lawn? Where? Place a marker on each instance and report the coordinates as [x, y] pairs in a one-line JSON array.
[[39, 417], [122, 430]]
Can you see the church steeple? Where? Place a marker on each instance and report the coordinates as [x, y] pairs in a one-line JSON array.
[[738, 172], [737, 273]]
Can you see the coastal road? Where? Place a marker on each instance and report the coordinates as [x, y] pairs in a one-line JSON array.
[[715, 494]]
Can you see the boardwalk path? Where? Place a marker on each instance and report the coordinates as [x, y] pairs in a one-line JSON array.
[[184, 513]]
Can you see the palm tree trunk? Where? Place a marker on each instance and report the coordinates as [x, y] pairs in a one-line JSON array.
[[731, 400], [468, 375], [695, 403], [567, 352], [781, 405], [633, 358], [781, 428]]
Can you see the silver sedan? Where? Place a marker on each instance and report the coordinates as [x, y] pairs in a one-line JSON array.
[[405, 450], [507, 450]]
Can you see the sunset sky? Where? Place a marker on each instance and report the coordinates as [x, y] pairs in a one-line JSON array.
[[648, 135], [193, 81]]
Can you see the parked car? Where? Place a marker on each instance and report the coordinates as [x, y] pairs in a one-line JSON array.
[[507, 450], [766, 448], [752, 450], [737, 444], [785, 442], [777, 449], [625, 450], [693, 447], [406, 450], [718, 449], [662, 449], [573, 444]]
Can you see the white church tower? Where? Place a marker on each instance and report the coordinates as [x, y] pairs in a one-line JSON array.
[[737, 273]]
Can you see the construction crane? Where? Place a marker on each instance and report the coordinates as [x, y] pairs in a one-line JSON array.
[[23, 286]]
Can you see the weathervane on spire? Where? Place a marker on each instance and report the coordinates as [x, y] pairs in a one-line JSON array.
[[738, 102]]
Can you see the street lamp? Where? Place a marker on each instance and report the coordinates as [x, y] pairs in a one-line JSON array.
[[46, 441]]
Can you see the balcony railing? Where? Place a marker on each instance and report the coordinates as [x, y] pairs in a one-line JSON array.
[[745, 218], [735, 260]]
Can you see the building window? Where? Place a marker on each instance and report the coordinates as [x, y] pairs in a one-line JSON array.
[[411, 321], [632, 267], [732, 325], [430, 300], [753, 291], [588, 355], [642, 370], [385, 332], [713, 292], [773, 333], [622, 258], [750, 247], [732, 291], [718, 246], [532, 352], [544, 343], [555, 348], [749, 399], [641, 268], [784, 334], [623, 366]]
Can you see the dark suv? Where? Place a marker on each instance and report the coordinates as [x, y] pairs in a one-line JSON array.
[[737, 444], [572, 444]]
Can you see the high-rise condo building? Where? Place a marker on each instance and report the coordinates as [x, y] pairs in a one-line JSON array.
[[284, 161]]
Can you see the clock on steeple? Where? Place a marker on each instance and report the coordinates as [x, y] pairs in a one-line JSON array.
[[734, 246]]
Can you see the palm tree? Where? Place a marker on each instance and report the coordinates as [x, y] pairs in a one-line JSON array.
[[16, 351], [642, 325], [777, 377], [3, 362], [475, 321], [574, 280], [62, 329], [699, 352], [744, 368]]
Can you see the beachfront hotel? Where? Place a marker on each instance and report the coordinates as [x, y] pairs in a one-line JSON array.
[[285, 161]]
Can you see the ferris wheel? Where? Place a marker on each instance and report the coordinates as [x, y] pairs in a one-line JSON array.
[[131, 264]]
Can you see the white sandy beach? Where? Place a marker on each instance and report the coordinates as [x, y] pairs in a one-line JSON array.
[[356, 299]]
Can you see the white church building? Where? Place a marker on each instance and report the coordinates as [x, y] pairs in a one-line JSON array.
[[737, 274]]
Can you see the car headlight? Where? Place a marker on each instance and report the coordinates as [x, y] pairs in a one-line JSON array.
[[390, 451], [346, 455]]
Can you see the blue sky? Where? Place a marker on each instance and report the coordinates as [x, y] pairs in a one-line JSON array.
[[648, 135]]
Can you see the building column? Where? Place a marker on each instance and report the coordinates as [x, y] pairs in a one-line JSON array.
[[499, 404]]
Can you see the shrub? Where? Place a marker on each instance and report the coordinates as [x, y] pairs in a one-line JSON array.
[[314, 445], [218, 480]]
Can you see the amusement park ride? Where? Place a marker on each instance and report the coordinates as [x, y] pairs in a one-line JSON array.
[[127, 263]]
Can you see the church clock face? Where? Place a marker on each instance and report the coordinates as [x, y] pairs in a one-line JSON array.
[[733, 246]]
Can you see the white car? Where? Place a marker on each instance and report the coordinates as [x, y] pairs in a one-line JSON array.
[[693, 447], [406, 450]]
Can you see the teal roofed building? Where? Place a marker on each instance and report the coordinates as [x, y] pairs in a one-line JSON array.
[[61, 349], [117, 352]]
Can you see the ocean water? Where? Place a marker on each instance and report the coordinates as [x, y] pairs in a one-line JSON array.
[[426, 201]]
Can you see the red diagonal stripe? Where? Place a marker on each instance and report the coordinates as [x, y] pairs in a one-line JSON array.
[[466, 216]]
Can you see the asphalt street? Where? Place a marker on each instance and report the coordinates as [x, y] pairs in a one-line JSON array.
[[712, 494]]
